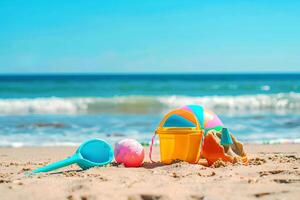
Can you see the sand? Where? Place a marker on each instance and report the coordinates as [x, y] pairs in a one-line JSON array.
[[273, 173]]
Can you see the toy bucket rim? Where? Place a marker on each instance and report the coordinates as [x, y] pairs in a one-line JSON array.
[[176, 131]]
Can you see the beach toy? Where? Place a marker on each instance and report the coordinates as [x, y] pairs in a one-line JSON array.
[[183, 135], [129, 152], [91, 153], [222, 145], [180, 135]]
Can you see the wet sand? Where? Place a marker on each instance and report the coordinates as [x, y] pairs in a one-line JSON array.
[[273, 173]]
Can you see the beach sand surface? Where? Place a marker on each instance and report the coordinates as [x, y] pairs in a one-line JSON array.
[[273, 173]]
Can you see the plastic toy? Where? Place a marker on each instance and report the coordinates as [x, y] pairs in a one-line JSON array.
[[185, 134], [129, 152], [91, 153], [221, 145]]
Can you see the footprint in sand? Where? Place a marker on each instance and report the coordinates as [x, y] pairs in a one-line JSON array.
[[272, 172], [195, 197], [4, 181], [262, 194], [259, 195], [83, 197], [148, 197], [286, 181]]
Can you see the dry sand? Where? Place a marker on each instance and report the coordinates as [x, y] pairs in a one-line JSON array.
[[273, 173]]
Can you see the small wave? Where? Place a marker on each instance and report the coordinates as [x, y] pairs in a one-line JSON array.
[[39, 143], [260, 102], [286, 102], [276, 141]]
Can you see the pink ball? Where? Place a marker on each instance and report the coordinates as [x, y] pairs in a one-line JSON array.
[[129, 152]]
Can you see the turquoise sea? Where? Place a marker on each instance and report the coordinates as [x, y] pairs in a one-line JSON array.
[[49, 110]]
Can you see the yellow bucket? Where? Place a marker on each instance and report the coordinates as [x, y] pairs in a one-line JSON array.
[[179, 143]]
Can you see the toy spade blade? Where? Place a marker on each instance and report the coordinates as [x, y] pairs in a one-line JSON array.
[[91, 153], [225, 137]]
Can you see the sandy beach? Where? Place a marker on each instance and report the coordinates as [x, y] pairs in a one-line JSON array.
[[217, 81], [273, 173]]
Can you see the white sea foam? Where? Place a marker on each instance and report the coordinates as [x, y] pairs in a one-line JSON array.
[[146, 104], [245, 102], [38, 143]]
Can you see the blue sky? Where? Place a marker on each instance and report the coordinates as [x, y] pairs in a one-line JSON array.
[[149, 36]]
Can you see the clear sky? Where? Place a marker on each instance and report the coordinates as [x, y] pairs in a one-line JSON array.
[[40, 36]]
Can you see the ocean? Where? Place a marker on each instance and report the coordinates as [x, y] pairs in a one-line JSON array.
[[52, 110]]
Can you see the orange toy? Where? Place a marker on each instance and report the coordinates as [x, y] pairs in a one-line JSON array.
[[212, 149]]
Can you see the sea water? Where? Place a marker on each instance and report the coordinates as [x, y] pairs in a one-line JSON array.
[[49, 110]]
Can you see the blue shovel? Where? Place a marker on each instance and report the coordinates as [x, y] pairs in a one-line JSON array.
[[91, 153]]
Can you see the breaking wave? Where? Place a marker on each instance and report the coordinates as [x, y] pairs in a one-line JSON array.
[[282, 102]]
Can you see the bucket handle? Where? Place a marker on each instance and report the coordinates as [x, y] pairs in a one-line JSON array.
[[198, 127], [151, 147]]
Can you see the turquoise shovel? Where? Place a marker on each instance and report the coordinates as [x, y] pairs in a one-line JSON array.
[[91, 153]]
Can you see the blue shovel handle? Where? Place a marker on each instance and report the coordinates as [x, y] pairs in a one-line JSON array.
[[62, 163]]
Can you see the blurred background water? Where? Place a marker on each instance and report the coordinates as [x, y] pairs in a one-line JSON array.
[[49, 110]]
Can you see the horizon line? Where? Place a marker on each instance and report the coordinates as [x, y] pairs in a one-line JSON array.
[[147, 73]]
